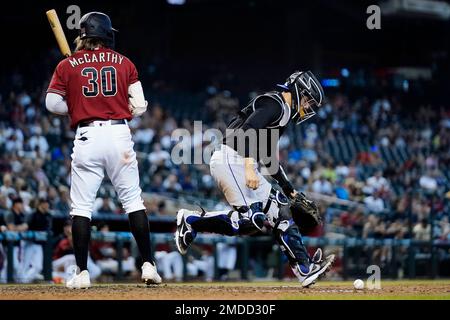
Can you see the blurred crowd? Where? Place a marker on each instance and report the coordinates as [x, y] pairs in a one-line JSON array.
[[378, 198]]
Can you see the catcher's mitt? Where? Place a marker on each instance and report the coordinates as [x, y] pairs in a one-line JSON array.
[[305, 213]]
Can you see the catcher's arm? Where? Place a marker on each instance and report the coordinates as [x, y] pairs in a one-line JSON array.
[[283, 181], [251, 178]]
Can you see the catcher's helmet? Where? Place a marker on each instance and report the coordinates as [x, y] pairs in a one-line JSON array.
[[97, 25], [304, 84]]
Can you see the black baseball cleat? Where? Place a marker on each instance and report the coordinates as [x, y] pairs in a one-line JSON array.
[[184, 235], [309, 275]]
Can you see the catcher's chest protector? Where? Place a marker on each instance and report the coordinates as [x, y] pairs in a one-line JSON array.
[[268, 146], [246, 112]]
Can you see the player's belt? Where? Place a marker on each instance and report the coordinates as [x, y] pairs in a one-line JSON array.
[[101, 123]]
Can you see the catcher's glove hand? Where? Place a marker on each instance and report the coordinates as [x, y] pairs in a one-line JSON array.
[[305, 213]]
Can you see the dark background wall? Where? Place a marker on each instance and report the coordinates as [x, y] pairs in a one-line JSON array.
[[253, 40]]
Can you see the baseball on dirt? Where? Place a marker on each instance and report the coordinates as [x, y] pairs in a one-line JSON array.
[[358, 284]]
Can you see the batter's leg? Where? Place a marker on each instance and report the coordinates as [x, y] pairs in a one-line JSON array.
[[122, 169], [86, 177]]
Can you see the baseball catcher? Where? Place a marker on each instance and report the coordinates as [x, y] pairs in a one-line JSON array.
[[255, 202]]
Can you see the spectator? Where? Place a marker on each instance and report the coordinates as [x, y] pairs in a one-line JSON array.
[[156, 184], [7, 188], [40, 220], [171, 184], [200, 262], [428, 182], [64, 264], [24, 194], [374, 203], [16, 221], [342, 170], [226, 259], [38, 143], [105, 256], [159, 157], [322, 186], [370, 226], [170, 261], [444, 229], [422, 231], [187, 185], [104, 205], [162, 208], [3, 228], [377, 183], [5, 202], [342, 192], [63, 202]]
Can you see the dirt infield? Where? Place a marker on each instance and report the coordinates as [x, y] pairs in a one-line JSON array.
[[439, 289]]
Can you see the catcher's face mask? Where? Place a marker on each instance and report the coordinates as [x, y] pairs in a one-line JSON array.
[[307, 94], [303, 109]]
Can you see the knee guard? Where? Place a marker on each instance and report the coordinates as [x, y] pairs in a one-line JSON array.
[[252, 220], [291, 243], [275, 203]]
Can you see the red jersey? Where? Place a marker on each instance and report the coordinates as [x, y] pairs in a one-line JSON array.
[[95, 85], [63, 248]]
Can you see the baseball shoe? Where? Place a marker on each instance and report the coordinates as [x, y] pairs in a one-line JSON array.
[[184, 235], [79, 281], [150, 274], [309, 275]]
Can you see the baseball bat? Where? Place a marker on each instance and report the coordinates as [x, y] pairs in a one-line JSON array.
[[58, 32]]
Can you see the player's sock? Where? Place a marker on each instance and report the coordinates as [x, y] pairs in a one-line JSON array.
[[81, 233], [219, 222], [141, 231], [243, 221]]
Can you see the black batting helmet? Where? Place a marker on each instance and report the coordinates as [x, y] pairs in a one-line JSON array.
[[97, 25], [304, 84]]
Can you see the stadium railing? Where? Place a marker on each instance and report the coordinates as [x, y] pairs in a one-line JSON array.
[[413, 247]]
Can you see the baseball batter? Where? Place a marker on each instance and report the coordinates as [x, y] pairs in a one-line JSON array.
[[255, 203], [99, 89]]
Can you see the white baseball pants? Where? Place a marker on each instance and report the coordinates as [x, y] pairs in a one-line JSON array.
[[99, 148], [227, 169]]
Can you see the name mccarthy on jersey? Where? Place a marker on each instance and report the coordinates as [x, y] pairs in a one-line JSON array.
[[96, 57]]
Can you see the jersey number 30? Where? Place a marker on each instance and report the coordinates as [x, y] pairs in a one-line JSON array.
[[107, 83]]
